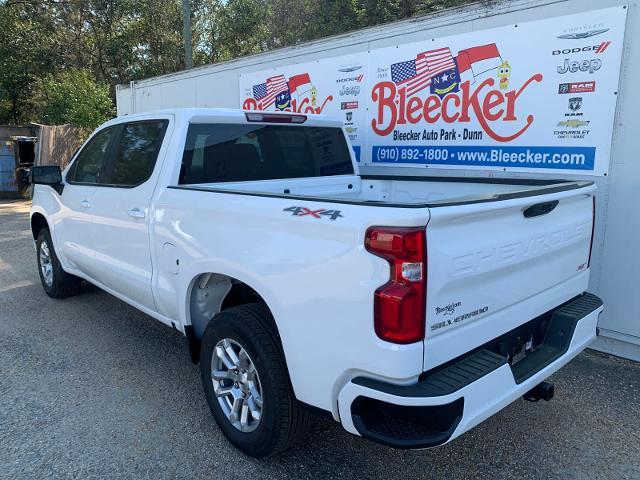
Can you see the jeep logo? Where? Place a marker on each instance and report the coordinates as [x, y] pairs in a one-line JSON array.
[[583, 66]]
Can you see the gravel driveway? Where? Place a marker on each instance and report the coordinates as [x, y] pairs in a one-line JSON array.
[[91, 388]]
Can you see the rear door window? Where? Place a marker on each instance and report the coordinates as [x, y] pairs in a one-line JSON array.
[[236, 152]]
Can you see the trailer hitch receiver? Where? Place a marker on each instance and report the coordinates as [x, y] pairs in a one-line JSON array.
[[542, 391]]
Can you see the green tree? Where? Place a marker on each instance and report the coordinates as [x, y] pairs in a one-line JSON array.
[[45, 43], [27, 54], [226, 29], [242, 28], [75, 97], [375, 12]]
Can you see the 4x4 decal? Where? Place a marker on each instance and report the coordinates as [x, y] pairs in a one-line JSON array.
[[304, 211]]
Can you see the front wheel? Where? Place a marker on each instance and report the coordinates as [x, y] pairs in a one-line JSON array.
[[55, 281], [246, 382]]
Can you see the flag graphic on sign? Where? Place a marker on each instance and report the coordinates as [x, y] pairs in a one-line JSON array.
[[266, 92], [418, 74], [475, 61], [260, 91], [413, 74], [283, 100], [299, 84], [441, 72], [290, 94], [445, 78]]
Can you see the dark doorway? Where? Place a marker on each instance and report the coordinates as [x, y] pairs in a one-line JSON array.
[[25, 158], [25, 153]]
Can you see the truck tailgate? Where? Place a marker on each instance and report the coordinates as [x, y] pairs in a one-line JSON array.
[[495, 265]]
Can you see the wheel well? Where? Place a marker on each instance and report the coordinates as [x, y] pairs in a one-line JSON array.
[[210, 294], [38, 222]]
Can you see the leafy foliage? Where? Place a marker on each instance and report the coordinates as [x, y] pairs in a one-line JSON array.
[[26, 55], [58, 58], [75, 97]]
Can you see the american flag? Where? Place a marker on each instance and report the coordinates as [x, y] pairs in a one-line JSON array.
[[416, 74], [266, 92], [260, 91]]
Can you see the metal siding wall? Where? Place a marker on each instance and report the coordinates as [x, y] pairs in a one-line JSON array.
[[615, 262], [620, 275], [7, 167], [123, 100]]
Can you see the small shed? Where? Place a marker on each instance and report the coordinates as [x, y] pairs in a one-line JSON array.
[[17, 146], [57, 144], [21, 147]]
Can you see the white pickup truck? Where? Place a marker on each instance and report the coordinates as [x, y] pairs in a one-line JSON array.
[[410, 309]]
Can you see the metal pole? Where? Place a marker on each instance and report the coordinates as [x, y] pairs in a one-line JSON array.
[[186, 26], [132, 91]]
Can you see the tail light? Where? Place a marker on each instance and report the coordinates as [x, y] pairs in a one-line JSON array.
[[400, 304], [593, 229]]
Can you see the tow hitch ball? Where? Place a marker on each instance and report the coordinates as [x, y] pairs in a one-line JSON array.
[[542, 391]]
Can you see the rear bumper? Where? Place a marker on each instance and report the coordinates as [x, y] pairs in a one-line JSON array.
[[445, 404]]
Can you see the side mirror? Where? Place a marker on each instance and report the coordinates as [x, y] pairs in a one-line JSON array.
[[47, 175]]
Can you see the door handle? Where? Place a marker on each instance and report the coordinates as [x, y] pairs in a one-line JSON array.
[[136, 213], [85, 204]]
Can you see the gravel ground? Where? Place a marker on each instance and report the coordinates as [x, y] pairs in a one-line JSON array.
[[91, 388]]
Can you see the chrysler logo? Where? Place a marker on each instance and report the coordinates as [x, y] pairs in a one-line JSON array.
[[581, 35], [352, 68]]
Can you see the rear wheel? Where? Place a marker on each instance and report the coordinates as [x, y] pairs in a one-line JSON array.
[[246, 382], [56, 282]]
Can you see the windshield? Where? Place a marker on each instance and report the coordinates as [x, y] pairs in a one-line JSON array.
[[219, 152]]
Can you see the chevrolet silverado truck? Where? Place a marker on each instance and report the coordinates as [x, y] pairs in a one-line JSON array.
[[408, 308]]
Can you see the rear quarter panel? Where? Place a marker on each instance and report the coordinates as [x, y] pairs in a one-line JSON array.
[[314, 274]]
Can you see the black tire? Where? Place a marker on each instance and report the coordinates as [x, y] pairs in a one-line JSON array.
[[284, 420], [62, 284]]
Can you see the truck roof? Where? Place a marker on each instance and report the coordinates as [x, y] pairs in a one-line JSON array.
[[225, 115]]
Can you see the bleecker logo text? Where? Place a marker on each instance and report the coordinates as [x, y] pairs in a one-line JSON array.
[[486, 104]]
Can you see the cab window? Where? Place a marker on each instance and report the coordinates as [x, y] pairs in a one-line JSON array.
[[218, 152], [90, 166]]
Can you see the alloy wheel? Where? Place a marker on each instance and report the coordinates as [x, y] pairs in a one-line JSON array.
[[236, 384], [45, 264]]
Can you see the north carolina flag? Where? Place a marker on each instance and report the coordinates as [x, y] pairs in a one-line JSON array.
[[299, 84], [477, 60]]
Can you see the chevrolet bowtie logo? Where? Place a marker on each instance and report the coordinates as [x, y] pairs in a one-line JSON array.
[[573, 123]]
